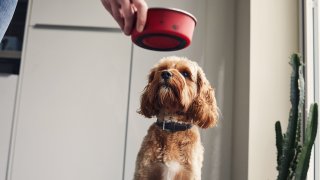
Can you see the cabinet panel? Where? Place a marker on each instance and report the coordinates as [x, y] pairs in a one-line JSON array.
[[72, 106], [8, 85], [71, 12]]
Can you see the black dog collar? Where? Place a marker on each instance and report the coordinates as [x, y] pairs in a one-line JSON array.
[[173, 126]]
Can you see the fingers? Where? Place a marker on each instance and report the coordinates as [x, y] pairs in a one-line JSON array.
[[107, 5], [115, 7], [141, 8], [128, 15], [123, 11]]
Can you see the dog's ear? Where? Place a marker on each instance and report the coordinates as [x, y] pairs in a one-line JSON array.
[[203, 110], [147, 108]]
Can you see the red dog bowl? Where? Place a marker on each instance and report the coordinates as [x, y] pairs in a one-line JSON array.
[[166, 29]]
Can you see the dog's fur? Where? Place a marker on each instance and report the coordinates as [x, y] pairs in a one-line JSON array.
[[186, 97]]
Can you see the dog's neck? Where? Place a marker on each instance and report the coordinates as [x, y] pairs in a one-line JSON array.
[[172, 117], [173, 122]]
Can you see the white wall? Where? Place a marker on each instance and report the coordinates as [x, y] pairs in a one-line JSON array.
[[274, 37], [219, 68], [240, 129], [266, 36]]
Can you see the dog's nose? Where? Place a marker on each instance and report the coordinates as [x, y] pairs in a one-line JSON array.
[[166, 75]]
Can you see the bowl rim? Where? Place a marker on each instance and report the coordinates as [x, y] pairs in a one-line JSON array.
[[175, 10], [183, 42]]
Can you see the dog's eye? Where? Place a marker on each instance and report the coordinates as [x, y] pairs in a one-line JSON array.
[[185, 74]]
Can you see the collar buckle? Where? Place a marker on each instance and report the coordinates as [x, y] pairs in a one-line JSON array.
[[163, 125]]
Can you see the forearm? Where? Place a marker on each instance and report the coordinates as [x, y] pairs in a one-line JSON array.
[[7, 8]]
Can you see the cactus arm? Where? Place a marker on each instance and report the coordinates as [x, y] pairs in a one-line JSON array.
[[279, 142], [311, 132], [298, 145], [301, 102], [290, 137]]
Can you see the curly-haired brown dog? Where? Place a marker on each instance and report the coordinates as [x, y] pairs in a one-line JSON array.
[[181, 98]]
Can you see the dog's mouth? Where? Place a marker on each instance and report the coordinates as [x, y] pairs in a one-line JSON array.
[[170, 88], [168, 94], [165, 85]]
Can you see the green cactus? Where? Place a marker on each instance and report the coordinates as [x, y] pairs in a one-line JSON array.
[[293, 156], [288, 150]]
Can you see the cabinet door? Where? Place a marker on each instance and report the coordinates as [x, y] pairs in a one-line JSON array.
[[8, 84], [71, 12], [72, 106], [143, 61]]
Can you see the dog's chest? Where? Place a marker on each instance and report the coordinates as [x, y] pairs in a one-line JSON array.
[[175, 151], [170, 170], [172, 155]]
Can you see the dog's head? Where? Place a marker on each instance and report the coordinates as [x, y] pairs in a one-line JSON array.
[[178, 86]]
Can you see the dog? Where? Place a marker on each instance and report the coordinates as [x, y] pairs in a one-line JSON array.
[[179, 95]]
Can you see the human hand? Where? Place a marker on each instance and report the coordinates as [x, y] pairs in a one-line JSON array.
[[125, 12]]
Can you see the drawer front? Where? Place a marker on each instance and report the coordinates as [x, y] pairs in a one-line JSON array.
[[71, 12]]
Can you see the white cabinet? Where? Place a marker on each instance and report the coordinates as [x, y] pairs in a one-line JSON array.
[[71, 12], [72, 106], [7, 98]]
